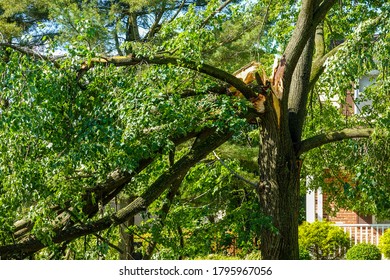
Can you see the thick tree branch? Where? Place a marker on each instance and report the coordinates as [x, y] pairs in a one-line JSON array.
[[325, 138], [161, 60], [319, 41], [301, 34], [299, 92], [309, 17], [322, 10]]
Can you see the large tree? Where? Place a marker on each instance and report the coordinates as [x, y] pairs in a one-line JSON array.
[[138, 82]]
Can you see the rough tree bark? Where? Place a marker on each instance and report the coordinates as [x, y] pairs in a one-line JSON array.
[[278, 189]]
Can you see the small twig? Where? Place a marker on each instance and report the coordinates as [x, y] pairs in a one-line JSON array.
[[199, 196], [235, 173], [223, 5]]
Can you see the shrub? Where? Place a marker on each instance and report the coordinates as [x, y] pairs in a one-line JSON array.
[[304, 254], [384, 244], [323, 241], [364, 251]]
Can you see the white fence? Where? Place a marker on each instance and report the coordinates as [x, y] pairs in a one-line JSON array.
[[368, 233]]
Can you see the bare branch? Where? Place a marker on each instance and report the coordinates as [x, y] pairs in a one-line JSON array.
[[325, 138], [98, 236]]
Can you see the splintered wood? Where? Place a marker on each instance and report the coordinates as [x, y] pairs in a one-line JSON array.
[[250, 73], [247, 75], [277, 77]]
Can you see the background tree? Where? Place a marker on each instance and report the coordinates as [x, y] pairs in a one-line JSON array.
[[143, 93]]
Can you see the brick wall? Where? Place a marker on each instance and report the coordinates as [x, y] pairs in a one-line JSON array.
[[345, 217]]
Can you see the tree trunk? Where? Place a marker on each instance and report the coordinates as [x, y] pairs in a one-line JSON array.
[[278, 189], [278, 162]]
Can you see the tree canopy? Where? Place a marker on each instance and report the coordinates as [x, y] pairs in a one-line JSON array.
[[109, 109]]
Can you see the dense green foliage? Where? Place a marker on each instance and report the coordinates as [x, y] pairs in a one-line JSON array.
[[323, 240], [354, 172], [214, 207], [69, 126], [61, 136], [364, 251]]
